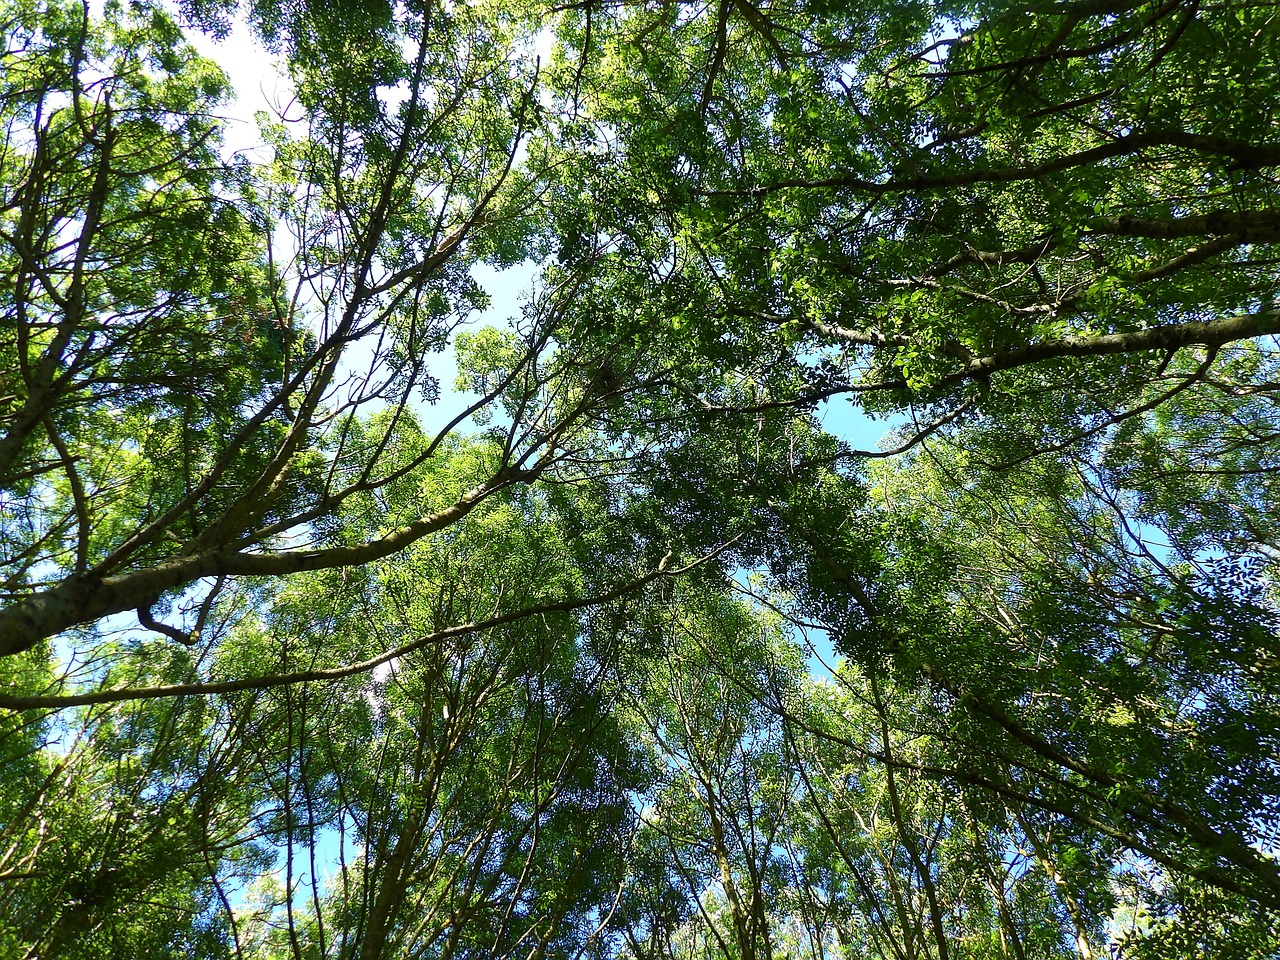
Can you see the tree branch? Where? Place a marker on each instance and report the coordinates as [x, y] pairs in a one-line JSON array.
[[58, 702]]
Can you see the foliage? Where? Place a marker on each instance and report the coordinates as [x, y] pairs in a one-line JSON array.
[[336, 624]]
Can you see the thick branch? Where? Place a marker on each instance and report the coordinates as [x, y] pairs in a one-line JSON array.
[[85, 598], [1207, 333], [1244, 154], [53, 701], [1193, 333]]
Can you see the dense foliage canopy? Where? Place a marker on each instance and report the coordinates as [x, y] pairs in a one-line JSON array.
[[337, 622]]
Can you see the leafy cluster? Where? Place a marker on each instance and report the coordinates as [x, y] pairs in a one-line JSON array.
[[336, 624]]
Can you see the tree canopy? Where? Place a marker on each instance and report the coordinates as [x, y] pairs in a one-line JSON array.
[[339, 621]]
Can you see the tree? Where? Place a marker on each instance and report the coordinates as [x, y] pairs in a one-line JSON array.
[[294, 666], [476, 791], [469, 799], [714, 820], [1015, 230], [1080, 681], [190, 393], [1028, 204]]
